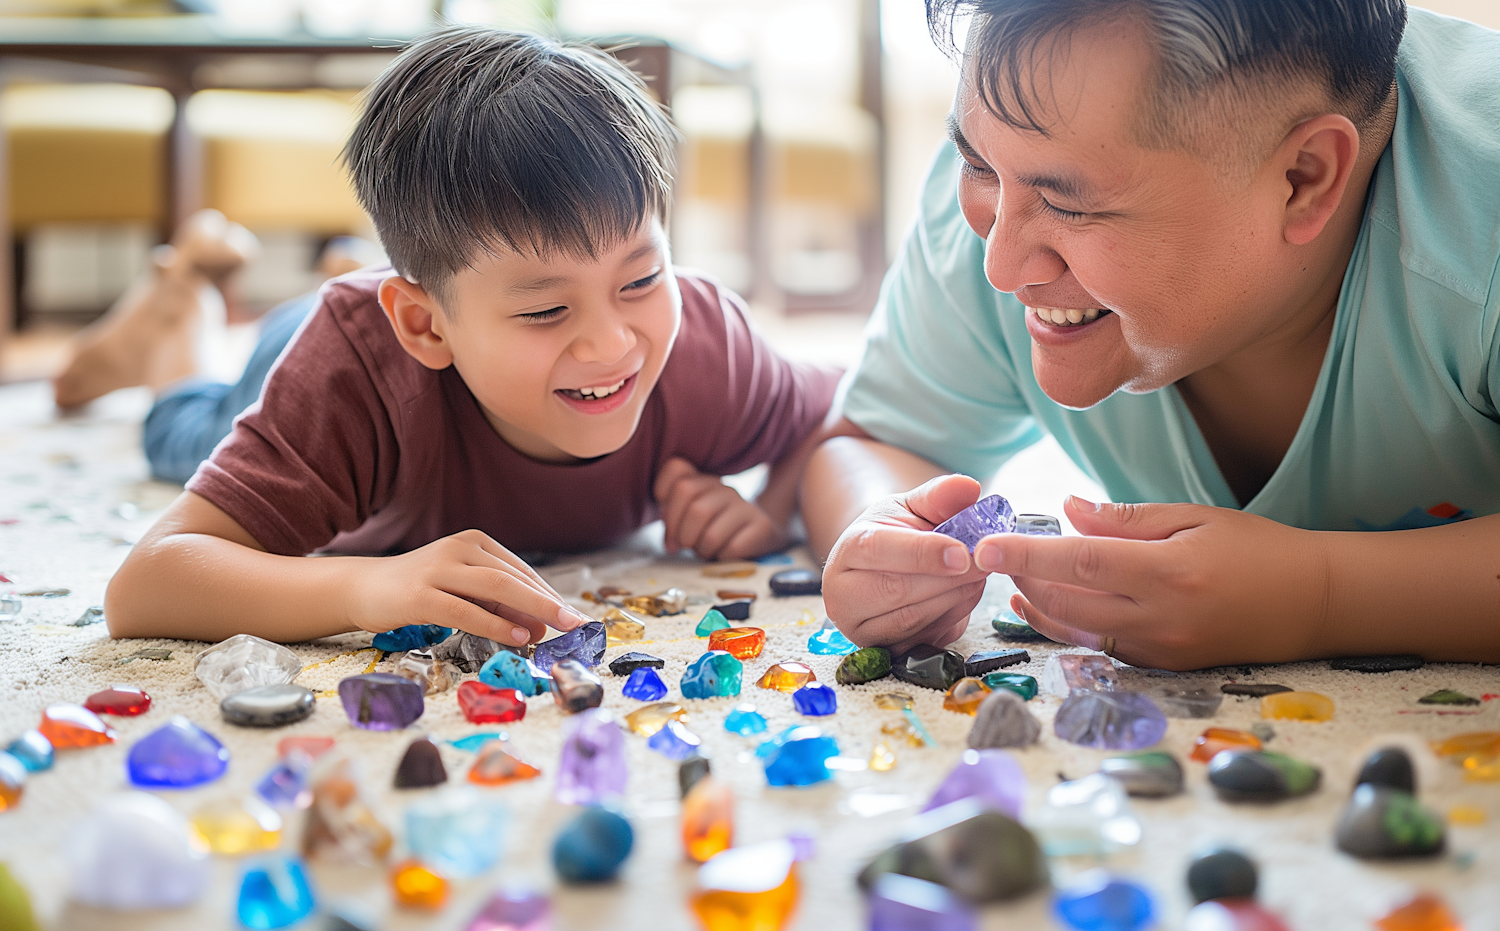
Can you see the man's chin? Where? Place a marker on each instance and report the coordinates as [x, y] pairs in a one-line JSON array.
[[1076, 392]]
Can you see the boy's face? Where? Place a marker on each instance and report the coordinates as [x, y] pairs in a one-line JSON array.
[[562, 353]]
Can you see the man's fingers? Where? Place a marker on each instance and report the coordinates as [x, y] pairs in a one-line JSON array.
[[1080, 608], [1101, 563], [939, 499], [885, 548], [1047, 627], [1134, 521]]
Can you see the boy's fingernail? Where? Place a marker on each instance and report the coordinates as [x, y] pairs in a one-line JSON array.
[[519, 635], [987, 557], [955, 557], [1084, 504]]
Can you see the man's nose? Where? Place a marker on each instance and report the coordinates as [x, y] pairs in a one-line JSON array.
[[1016, 255]]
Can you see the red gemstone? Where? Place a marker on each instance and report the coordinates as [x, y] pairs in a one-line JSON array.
[[314, 747], [1231, 915], [127, 701], [484, 705], [1444, 511]]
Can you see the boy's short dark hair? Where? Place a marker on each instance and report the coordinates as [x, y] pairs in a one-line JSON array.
[[477, 138]]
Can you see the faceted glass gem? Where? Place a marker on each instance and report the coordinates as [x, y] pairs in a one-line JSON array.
[[903, 903], [739, 642], [711, 622], [314, 747], [33, 750], [929, 666], [431, 673], [1222, 873], [1038, 525], [593, 846], [71, 727], [864, 665], [584, 643], [286, 785], [786, 677], [1231, 915], [415, 886], [1022, 685], [736, 610], [1215, 740], [707, 819], [135, 852], [1381, 822], [644, 684], [1447, 697], [792, 582], [1066, 672], [244, 662], [411, 637], [991, 776], [977, 521], [341, 824], [1086, 817], [1260, 776], [235, 826], [12, 781], [1002, 721], [745, 720], [622, 627], [648, 719], [506, 670], [798, 756], [882, 758], [830, 642], [481, 704], [1105, 904], [815, 699], [1178, 702], [1425, 912], [753, 888], [123, 700], [675, 742], [497, 765], [268, 706], [966, 695], [421, 766], [980, 854], [178, 755], [626, 663], [513, 910], [1148, 774], [274, 894], [1297, 706], [987, 661], [380, 701], [713, 674], [1390, 767], [574, 687], [671, 601], [1110, 720], [592, 767]]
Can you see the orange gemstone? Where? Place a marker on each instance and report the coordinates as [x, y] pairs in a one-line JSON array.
[[966, 695], [314, 747], [730, 595], [1474, 743], [1297, 706], [1426, 912], [723, 910], [497, 766], [1482, 767], [69, 727], [1217, 739], [787, 677], [707, 819], [12, 785], [127, 701], [415, 886], [740, 642]]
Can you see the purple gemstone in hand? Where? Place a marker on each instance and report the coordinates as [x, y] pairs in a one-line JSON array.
[[991, 776], [1110, 720], [584, 643], [592, 769], [380, 701], [902, 903], [974, 523]]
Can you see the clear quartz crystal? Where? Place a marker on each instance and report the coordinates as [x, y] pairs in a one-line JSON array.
[[1089, 816], [431, 674], [10, 606], [1065, 672], [245, 662], [1042, 525]]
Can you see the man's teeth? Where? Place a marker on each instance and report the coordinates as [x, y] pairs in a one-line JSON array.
[[594, 394], [1072, 316]]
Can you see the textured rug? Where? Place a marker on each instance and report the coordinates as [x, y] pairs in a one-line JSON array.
[[73, 497]]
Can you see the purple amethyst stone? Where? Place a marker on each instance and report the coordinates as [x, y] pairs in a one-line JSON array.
[[974, 523], [592, 769], [992, 777], [903, 903], [380, 701], [584, 643], [1110, 720], [513, 910]]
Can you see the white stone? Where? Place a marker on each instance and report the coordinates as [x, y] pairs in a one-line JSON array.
[[245, 662], [1089, 817], [135, 852]]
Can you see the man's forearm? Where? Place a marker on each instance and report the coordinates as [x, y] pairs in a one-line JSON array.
[[849, 473]]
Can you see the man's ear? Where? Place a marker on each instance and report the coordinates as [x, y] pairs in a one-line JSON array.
[[1318, 156], [418, 320]]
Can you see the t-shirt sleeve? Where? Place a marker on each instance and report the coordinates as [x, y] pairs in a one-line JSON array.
[[937, 376], [306, 462]]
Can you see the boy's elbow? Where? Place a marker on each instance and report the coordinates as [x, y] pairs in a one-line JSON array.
[[122, 610]]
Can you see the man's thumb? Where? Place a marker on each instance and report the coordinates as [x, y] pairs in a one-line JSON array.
[[939, 499], [1130, 521]]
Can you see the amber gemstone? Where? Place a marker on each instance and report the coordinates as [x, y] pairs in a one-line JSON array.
[[671, 601], [497, 765], [707, 819], [724, 910], [882, 758], [726, 594], [622, 627], [966, 695], [730, 570], [648, 719], [1474, 743], [1467, 815], [1482, 767], [894, 701], [1216, 739], [127, 701], [739, 642], [1297, 706], [69, 727], [904, 731], [786, 677], [415, 886], [314, 747], [1426, 912]]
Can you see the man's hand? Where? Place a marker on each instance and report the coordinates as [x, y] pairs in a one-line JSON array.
[[467, 581], [708, 517], [1177, 586], [889, 582]]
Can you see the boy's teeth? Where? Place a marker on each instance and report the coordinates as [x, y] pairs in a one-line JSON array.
[[1058, 316], [604, 392]]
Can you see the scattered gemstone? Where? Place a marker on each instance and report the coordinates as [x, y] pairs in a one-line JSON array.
[[584, 643], [804, 846], [421, 667], [863, 665], [245, 662], [12, 781], [411, 637], [341, 824], [929, 666], [126, 701], [469, 652], [481, 704], [1147, 774], [268, 706], [675, 742], [1480, 768], [622, 627], [1379, 663], [792, 582], [593, 846], [798, 756], [1177, 702], [1425, 912], [713, 674], [72, 727], [150, 653], [966, 695], [689, 771], [711, 622], [287, 784], [1389, 767], [1473, 743], [1022, 685], [1067, 672], [575, 688], [745, 720], [671, 601], [753, 888], [987, 661], [177, 755], [1297, 706], [1086, 817], [592, 768], [415, 886], [648, 719], [1469, 816], [421, 766], [1003, 721], [380, 701], [1447, 697], [786, 677], [815, 700], [739, 642], [135, 852], [737, 609], [984, 517], [1216, 740], [1231, 915], [894, 701], [314, 747], [1011, 627], [10, 607], [730, 570], [626, 663], [992, 776], [1253, 689], [644, 684], [707, 819], [15, 904], [496, 765], [33, 750], [1110, 720], [980, 854], [506, 670], [274, 894], [903, 903], [1264, 731], [238, 825], [513, 910], [1222, 873], [882, 758], [918, 728], [1260, 776], [1038, 525], [1381, 822], [1101, 903]]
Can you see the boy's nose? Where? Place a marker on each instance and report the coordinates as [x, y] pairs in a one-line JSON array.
[[606, 342]]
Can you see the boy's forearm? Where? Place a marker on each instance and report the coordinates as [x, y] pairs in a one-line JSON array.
[[847, 474], [779, 497]]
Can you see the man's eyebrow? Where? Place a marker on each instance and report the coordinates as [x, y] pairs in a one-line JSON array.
[[1068, 187], [956, 136]]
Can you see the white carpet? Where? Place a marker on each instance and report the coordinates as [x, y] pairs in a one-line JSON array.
[[72, 496]]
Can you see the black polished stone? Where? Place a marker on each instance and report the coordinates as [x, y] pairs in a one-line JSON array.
[[929, 666], [789, 582], [981, 854], [690, 771], [1261, 776], [737, 610], [466, 651], [1389, 767], [1381, 823], [626, 663], [989, 660], [1378, 663], [1253, 689], [421, 766], [268, 706], [1223, 873]]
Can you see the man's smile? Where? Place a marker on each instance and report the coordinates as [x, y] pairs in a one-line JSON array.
[[1067, 316]]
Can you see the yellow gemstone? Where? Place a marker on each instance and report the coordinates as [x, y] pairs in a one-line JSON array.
[[1297, 706], [1482, 767], [1467, 816], [648, 719], [234, 826], [722, 910], [882, 758], [807, 617], [904, 731], [671, 601], [894, 701], [415, 886], [622, 627], [707, 819], [966, 695], [1474, 743], [787, 677], [730, 570]]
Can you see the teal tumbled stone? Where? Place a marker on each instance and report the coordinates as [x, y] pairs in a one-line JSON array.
[[711, 675], [711, 622], [506, 670], [864, 665], [1023, 685]]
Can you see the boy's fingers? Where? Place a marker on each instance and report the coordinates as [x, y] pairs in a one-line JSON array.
[[1134, 521], [720, 530], [702, 512], [671, 472], [871, 593], [910, 623], [675, 508], [464, 614], [884, 548], [1079, 608], [488, 544], [748, 541], [505, 589], [1055, 630]]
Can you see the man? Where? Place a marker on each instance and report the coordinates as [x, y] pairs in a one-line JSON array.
[[1240, 258]]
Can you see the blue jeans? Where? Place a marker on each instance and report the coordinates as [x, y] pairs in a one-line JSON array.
[[191, 417]]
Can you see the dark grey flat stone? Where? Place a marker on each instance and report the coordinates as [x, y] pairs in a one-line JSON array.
[[1389, 767], [737, 610], [789, 582], [985, 661], [1379, 663], [1253, 689], [1223, 873], [268, 706]]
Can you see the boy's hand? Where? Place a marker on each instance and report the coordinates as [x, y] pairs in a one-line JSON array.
[[467, 581], [705, 515], [889, 583]]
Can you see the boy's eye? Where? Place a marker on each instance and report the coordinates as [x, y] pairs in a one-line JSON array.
[[645, 282], [542, 316]]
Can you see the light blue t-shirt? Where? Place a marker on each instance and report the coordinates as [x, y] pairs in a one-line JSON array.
[[1402, 430]]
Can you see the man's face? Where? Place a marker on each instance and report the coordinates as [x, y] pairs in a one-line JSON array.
[[562, 353], [1150, 264]]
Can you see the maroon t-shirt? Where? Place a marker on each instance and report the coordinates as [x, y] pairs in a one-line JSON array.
[[358, 448]]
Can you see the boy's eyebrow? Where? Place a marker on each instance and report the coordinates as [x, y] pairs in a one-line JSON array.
[[532, 285]]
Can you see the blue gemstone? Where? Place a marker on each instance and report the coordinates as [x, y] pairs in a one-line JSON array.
[[177, 755], [286, 785], [815, 699], [714, 674], [674, 741], [645, 685], [457, 831], [506, 670], [745, 720], [274, 894], [774, 559], [411, 637], [473, 742], [829, 642], [33, 750], [798, 756], [584, 643], [1104, 904], [592, 846]]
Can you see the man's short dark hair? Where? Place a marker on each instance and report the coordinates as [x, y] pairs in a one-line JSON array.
[[476, 138], [1347, 47]]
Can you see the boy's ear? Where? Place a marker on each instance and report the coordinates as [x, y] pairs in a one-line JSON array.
[[1318, 156], [418, 321]]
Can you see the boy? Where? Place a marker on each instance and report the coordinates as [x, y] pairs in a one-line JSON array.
[[532, 376]]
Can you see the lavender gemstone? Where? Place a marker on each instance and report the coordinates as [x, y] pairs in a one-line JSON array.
[[1110, 720], [993, 777], [177, 755], [592, 769], [974, 523], [902, 903], [584, 643], [287, 784], [513, 910], [380, 701]]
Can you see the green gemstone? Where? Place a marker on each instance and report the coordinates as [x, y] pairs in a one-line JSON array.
[[1022, 685], [712, 621], [1011, 627], [1409, 825], [1300, 777], [865, 665], [15, 906], [1447, 697]]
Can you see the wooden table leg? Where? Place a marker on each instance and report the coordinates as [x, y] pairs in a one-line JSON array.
[[7, 250], [183, 164]]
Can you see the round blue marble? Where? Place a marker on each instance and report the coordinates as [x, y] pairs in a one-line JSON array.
[[593, 846], [177, 755], [274, 894], [33, 750], [815, 699], [473, 742], [411, 637], [506, 670], [1105, 905], [798, 756], [675, 741], [830, 642], [644, 684], [745, 720]]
